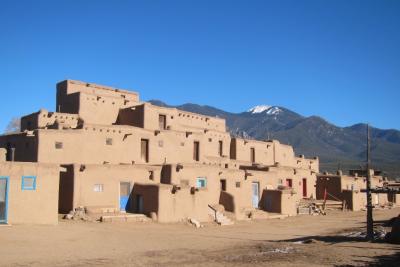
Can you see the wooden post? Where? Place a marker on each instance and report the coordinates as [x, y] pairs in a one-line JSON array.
[[370, 220]]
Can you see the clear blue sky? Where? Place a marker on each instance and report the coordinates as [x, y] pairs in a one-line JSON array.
[[336, 59]]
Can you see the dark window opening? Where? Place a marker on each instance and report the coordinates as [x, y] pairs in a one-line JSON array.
[[221, 148], [109, 141], [223, 185], [59, 145], [289, 183], [252, 155], [196, 151], [144, 149]]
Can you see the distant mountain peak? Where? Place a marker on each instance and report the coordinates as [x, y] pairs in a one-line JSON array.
[[270, 110]]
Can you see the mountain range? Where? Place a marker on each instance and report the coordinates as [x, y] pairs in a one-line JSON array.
[[337, 147]]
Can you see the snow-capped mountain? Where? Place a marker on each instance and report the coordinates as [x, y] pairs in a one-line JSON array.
[[269, 110]]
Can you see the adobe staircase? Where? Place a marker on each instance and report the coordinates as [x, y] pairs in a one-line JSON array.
[[218, 216]]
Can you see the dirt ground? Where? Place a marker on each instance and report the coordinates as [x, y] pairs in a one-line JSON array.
[[256, 243]]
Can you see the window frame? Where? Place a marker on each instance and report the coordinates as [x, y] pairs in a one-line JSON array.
[[99, 186], [24, 187], [198, 179]]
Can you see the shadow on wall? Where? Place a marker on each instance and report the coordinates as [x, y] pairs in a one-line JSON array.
[[227, 200], [143, 199]]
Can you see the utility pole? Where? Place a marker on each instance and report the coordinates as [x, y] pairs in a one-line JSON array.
[[370, 220]]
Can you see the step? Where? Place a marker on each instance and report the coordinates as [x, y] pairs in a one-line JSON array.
[[125, 218]]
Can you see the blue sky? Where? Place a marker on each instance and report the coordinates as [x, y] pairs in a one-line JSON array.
[[336, 59]]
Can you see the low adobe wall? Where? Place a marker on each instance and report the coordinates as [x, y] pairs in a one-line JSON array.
[[37, 205], [280, 201]]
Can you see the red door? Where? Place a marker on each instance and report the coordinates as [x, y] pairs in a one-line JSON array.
[[304, 187]]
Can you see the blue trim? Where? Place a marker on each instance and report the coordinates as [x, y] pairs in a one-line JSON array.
[[5, 221], [24, 187], [201, 182]]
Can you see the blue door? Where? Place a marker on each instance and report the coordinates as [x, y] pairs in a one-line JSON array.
[[3, 199], [124, 194], [255, 194]]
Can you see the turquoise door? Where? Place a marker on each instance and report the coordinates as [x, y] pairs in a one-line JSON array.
[[124, 194], [255, 194], [3, 199]]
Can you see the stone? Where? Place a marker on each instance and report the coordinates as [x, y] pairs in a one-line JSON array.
[[195, 222]]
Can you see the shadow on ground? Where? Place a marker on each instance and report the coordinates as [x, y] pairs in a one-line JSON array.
[[385, 260]]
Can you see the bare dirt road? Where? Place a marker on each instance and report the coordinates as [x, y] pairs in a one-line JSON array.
[[256, 243]]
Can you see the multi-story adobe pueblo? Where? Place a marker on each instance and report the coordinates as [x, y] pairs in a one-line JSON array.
[[105, 150]]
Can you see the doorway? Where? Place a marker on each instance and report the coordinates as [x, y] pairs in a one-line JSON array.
[[304, 187], [255, 194], [3, 199], [124, 194]]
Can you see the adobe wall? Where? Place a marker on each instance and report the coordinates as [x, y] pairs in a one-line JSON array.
[[109, 176], [280, 201], [44, 119], [264, 151], [39, 206], [95, 104], [183, 204], [89, 145], [25, 144], [147, 115], [275, 178]]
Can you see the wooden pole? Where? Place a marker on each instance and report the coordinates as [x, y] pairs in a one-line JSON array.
[[370, 220]]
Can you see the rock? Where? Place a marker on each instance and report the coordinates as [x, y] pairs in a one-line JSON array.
[[68, 216], [195, 222]]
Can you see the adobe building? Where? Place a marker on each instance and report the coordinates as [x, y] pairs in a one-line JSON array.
[[348, 188], [105, 150]]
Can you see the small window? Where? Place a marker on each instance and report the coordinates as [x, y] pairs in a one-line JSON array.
[[28, 183], [162, 122], [289, 183], [144, 150], [201, 182], [98, 188], [109, 141], [59, 145], [220, 148], [252, 155], [151, 175], [237, 184]]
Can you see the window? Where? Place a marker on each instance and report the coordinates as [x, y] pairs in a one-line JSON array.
[[221, 148], [162, 122], [109, 141], [252, 155], [196, 151], [237, 184], [289, 182], [144, 150], [28, 183], [98, 188], [59, 145], [201, 182], [151, 175], [223, 185]]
